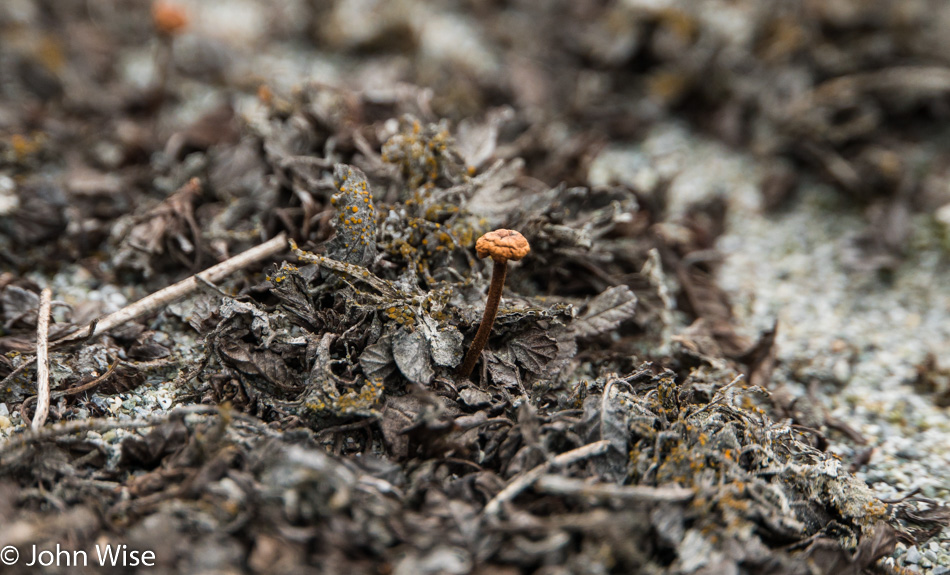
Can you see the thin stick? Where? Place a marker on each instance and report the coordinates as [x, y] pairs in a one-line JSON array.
[[525, 481], [42, 359], [173, 292], [558, 485], [356, 272], [24, 407]]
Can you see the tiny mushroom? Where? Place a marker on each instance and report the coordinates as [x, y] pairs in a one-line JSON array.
[[501, 246], [169, 19]]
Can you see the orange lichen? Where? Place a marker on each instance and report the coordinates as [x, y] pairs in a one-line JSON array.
[[356, 228]]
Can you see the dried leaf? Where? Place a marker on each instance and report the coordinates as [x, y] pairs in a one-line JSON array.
[[377, 359], [267, 364], [144, 242], [533, 349], [711, 304], [147, 348], [395, 419], [566, 350], [503, 369], [445, 342], [19, 304], [880, 542], [491, 199], [199, 311], [476, 141], [473, 397], [355, 222], [606, 311], [411, 352], [605, 418], [150, 448], [290, 287], [761, 357]]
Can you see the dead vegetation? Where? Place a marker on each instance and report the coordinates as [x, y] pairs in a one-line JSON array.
[[618, 421]]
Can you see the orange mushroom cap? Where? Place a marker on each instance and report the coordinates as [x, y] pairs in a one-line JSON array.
[[502, 245], [168, 18]]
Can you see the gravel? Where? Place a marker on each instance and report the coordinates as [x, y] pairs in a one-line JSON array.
[[859, 335]]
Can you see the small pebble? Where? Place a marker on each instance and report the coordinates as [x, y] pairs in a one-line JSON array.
[[910, 452]]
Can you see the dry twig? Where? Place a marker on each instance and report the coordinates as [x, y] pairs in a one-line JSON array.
[[349, 270], [525, 481], [42, 359], [559, 485], [173, 292]]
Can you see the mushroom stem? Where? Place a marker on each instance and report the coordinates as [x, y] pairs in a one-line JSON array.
[[498, 273]]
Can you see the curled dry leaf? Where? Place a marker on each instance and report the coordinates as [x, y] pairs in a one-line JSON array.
[[605, 312], [445, 343], [377, 359], [412, 356]]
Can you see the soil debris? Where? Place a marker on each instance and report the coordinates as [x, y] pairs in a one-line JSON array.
[[301, 412]]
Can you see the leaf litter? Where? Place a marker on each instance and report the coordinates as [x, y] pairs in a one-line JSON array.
[[306, 417]]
